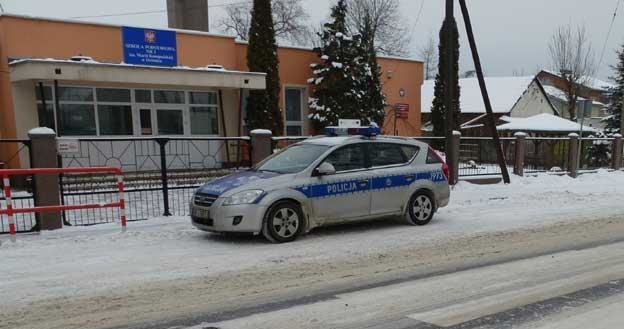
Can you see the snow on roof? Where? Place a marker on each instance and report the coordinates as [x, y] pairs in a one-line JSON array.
[[504, 92], [208, 68], [542, 122]]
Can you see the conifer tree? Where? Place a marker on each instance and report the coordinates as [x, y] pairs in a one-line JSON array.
[[374, 100], [438, 109], [263, 109], [616, 98]]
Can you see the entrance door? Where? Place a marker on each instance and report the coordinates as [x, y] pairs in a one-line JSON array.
[[146, 122]]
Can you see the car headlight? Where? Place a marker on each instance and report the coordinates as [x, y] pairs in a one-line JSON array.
[[244, 197]]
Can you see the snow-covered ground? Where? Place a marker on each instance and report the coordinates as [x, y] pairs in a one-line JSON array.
[[92, 260]]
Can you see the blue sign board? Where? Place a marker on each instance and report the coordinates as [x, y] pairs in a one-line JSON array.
[[149, 47]]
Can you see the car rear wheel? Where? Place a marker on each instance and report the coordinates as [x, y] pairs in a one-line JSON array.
[[283, 223], [421, 209]]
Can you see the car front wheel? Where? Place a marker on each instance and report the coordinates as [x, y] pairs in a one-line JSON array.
[[421, 208], [283, 223]]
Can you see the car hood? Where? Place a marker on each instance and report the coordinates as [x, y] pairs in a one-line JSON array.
[[226, 183]]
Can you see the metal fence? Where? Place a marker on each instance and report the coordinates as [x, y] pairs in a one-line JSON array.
[[161, 174], [14, 152]]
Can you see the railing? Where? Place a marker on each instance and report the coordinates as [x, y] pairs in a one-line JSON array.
[[15, 153], [161, 174], [10, 211]]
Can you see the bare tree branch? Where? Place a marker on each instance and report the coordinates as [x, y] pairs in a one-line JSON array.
[[389, 29], [429, 55], [289, 17], [572, 58]]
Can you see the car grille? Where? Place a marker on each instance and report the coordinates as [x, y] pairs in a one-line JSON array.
[[204, 200]]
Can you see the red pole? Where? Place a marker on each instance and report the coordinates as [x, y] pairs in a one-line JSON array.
[[122, 201], [7, 194]]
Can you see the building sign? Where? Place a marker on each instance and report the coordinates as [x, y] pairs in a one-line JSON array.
[[401, 110], [68, 146], [149, 47]]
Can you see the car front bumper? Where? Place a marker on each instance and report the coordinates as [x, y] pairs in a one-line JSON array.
[[224, 218]]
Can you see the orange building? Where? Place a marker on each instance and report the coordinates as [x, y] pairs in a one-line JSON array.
[[75, 77]]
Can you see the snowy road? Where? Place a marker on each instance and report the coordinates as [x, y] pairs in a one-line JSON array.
[[163, 270]]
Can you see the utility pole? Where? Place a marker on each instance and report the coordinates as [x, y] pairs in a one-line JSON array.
[[449, 88], [491, 122], [622, 117]]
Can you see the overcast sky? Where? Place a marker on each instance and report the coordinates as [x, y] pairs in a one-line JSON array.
[[512, 35]]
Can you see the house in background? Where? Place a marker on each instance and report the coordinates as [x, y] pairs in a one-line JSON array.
[[594, 91], [519, 97]]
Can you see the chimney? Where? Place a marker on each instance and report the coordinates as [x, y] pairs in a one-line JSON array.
[[188, 14]]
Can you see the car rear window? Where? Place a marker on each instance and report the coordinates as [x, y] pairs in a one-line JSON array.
[[432, 157], [387, 154]]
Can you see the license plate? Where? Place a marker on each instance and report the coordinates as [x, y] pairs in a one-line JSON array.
[[201, 213]]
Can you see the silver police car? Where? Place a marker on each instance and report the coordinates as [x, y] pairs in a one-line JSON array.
[[324, 181]]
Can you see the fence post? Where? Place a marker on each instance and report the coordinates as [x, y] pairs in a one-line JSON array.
[[617, 152], [162, 142], [520, 153], [573, 155], [261, 145], [46, 189], [453, 153]]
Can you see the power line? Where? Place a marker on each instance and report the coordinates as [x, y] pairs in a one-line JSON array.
[[156, 11], [604, 47], [413, 29]]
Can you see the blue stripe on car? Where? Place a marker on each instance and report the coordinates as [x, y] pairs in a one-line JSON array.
[[377, 183]]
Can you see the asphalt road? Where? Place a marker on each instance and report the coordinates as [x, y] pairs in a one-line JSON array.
[[578, 288]]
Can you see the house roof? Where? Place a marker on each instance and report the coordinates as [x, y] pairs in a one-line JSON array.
[[542, 123], [504, 92], [590, 82]]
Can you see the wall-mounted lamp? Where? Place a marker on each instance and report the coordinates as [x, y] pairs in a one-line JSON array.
[[389, 73]]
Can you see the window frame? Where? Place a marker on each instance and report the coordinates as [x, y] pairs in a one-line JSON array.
[[135, 106]]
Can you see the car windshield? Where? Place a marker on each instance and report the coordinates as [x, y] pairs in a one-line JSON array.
[[293, 159]]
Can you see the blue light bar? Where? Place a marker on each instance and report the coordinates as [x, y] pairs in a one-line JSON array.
[[353, 131]]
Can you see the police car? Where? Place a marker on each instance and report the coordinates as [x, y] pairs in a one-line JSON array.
[[350, 175]]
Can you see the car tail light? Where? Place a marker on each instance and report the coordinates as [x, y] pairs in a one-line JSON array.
[[445, 167]]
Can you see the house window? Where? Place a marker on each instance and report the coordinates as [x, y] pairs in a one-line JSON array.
[[203, 113], [143, 96], [294, 109]]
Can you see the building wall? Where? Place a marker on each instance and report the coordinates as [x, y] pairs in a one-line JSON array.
[[62, 40], [532, 102]]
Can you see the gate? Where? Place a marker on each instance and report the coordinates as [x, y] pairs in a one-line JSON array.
[[16, 152]]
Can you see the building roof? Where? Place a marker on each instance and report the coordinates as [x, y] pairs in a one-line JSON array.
[[504, 92], [542, 123]]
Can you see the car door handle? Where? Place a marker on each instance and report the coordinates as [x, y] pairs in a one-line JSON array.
[[364, 182]]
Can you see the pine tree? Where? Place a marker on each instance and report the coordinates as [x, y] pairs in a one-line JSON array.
[[438, 109], [600, 152], [616, 98], [374, 100], [263, 105], [337, 78]]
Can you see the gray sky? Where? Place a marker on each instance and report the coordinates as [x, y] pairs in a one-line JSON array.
[[512, 35]]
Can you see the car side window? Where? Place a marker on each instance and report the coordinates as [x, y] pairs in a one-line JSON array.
[[432, 158], [386, 154], [350, 157]]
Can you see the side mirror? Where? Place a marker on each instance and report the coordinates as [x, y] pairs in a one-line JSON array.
[[324, 169]]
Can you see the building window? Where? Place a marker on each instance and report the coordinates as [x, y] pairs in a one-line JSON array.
[[78, 120], [115, 119], [143, 96], [75, 94], [204, 98], [294, 109], [170, 122], [204, 121], [168, 97], [113, 95]]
